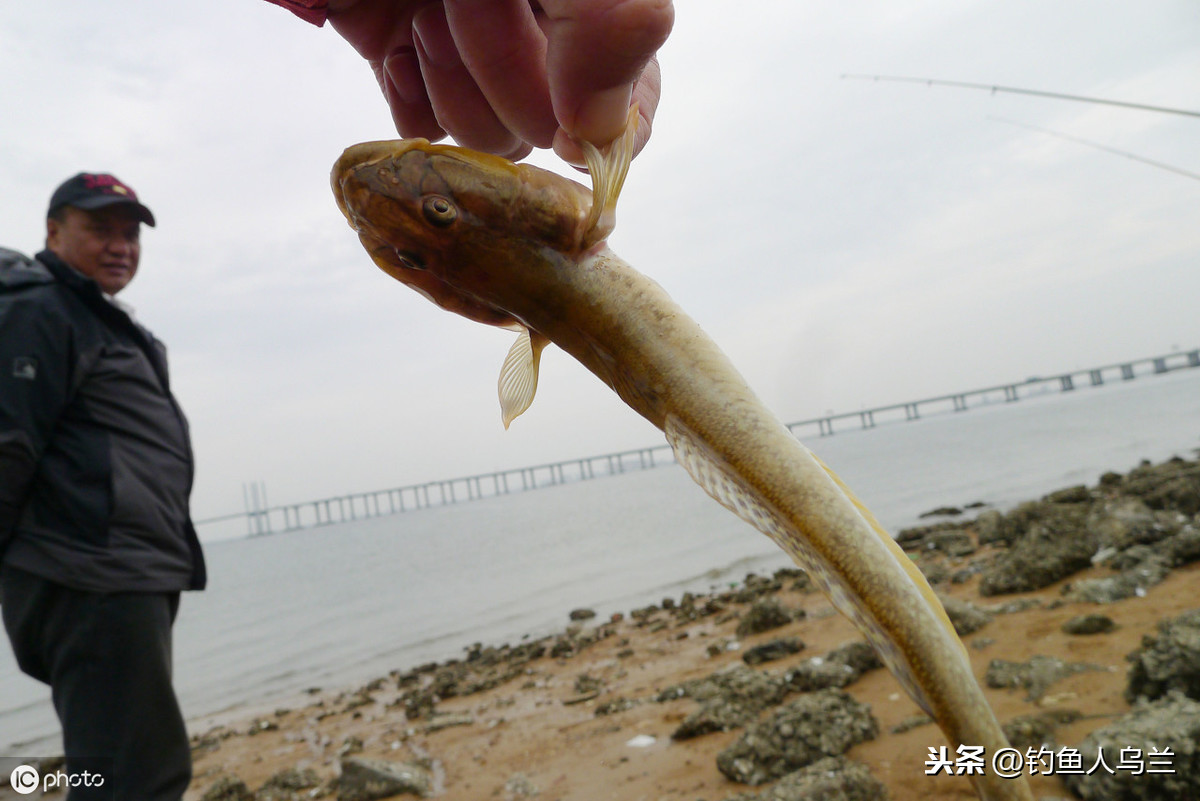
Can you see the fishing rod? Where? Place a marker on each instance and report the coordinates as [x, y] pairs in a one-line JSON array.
[[1106, 148], [1020, 91]]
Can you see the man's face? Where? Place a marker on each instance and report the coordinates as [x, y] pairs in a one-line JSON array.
[[102, 244]]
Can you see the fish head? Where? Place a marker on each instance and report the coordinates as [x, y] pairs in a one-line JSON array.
[[500, 243], [457, 225]]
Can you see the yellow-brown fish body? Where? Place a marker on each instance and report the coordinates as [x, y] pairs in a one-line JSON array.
[[519, 247]]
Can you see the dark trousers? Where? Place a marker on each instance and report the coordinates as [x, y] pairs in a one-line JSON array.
[[107, 659]]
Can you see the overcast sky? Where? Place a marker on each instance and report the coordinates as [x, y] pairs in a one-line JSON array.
[[849, 243]]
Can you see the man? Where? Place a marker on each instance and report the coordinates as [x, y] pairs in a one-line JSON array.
[[96, 541]]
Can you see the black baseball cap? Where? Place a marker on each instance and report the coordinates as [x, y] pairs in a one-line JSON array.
[[95, 190]]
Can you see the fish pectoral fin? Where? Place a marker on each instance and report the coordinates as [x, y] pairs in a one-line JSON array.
[[608, 169], [519, 374]]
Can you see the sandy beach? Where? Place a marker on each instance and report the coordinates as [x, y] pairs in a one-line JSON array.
[[582, 715]]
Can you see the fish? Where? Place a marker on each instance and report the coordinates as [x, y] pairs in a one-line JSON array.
[[517, 247]]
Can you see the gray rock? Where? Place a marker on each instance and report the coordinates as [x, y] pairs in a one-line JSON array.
[[965, 574], [935, 569], [1015, 606], [988, 526], [914, 538], [754, 587], [1107, 590], [1111, 481], [717, 714], [440, 721], [1089, 624], [520, 786], [838, 668], [1124, 521], [585, 683], [1036, 675], [941, 511], [1168, 660], [816, 725], [1181, 493], [819, 673], [1166, 734], [952, 543], [800, 581], [952, 539], [1034, 731], [829, 779], [1184, 547], [1174, 484], [910, 723], [1078, 494], [765, 614], [1052, 543], [1133, 556], [966, 617], [369, 779], [734, 679], [858, 655], [483, 670], [729, 699], [1134, 580], [228, 788], [288, 785], [616, 705], [770, 651]]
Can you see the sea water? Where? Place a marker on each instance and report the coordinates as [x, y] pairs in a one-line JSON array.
[[337, 606]]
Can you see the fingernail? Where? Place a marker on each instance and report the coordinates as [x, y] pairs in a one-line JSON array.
[[601, 118], [568, 150]]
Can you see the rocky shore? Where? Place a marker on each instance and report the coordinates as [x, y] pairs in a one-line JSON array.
[[1080, 611]]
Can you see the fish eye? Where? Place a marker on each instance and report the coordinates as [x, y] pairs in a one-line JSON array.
[[439, 211], [409, 260]]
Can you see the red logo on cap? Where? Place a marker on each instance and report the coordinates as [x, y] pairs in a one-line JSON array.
[[108, 185]]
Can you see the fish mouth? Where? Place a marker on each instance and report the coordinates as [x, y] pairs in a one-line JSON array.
[[357, 157]]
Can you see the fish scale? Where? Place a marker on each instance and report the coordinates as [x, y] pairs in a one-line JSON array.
[[728, 488]]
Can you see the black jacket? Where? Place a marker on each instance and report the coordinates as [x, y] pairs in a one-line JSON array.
[[95, 458]]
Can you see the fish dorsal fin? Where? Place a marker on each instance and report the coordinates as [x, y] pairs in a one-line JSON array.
[[519, 374], [608, 169]]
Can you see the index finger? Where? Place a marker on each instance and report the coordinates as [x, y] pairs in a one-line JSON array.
[[596, 52], [504, 49]]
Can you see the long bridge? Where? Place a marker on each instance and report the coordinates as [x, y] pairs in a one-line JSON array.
[[263, 519]]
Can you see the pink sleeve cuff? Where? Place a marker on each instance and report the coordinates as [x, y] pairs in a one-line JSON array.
[[313, 11]]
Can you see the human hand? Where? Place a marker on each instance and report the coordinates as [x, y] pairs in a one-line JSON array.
[[506, 76]]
